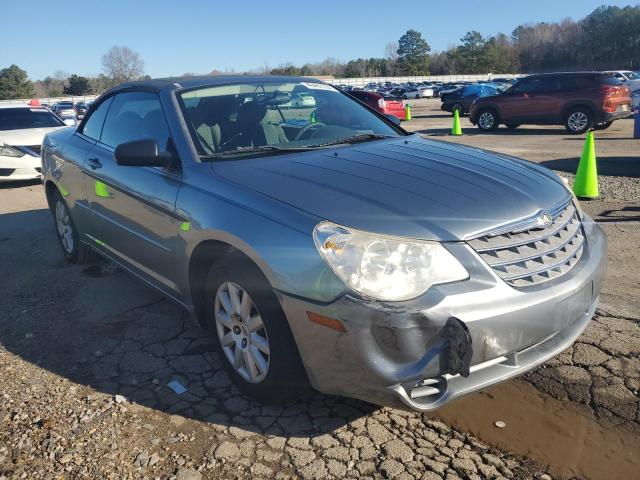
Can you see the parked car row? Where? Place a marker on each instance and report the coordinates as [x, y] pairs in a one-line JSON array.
[[413, 90]]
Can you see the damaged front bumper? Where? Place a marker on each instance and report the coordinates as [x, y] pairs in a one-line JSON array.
[[456, 339]]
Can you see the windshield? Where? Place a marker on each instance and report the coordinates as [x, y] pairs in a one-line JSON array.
[[227, 120], [632, 75], [23, 118]]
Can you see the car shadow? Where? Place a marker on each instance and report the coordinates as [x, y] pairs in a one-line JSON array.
[[98, 326], [19, 184], [628, 166], [472, 130], [434, 115], [617, 215]]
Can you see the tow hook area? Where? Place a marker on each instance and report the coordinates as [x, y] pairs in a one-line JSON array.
[[457, 354]]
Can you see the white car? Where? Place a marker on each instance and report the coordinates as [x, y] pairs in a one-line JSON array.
[[302, 100], [629, 78], [426, 92], [22, 128], [411, 92]]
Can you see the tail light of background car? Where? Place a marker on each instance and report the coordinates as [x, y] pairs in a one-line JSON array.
[[609, 91]]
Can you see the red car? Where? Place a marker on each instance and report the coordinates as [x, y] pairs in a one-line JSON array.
[[385, 104], [578, 100]]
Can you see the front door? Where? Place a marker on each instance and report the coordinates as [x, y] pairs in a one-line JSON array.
[[133, 208]]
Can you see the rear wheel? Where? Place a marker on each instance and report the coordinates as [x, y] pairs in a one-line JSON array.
[[487, 120], [512, 126], [254, 340], [74, 251], [602, 126], [578, 120]]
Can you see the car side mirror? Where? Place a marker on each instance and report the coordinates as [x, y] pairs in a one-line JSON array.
[[393, 119], [142, 153]]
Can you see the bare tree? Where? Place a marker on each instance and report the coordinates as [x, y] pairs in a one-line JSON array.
[[391, 53], [122, 64]]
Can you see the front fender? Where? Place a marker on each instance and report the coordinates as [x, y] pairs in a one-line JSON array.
[[275, 236]]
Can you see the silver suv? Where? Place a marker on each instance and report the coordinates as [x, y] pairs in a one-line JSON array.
[[323, 243]]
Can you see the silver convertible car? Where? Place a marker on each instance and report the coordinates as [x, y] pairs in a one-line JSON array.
[[322, 243]]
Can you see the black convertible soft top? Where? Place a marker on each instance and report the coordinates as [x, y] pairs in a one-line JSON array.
[[172, 83]]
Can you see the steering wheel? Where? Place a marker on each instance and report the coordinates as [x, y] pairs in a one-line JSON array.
[[308, 128]]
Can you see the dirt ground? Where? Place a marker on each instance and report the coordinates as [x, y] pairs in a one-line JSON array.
[[86, 353]]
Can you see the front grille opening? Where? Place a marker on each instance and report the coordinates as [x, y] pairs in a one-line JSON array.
[[534, 256], [6, 172]]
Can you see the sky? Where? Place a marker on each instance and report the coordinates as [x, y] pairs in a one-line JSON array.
[[175, 37]]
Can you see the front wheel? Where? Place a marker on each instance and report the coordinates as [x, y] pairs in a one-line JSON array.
[[487, 120], [255, 343], [74, 251], [457, 107], [578, 121]]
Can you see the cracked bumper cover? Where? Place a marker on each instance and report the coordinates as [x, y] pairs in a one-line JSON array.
[[456, 339]]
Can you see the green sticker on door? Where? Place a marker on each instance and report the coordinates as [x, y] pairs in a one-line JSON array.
[[102, 190]]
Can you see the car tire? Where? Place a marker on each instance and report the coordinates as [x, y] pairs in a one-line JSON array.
[[268, 366], [458, 107], [512, 126], [602, 126], [73, 249], [578, 120], [487, 120]]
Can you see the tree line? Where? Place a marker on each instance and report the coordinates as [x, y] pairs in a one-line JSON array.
[[120, 64], [607, 38]]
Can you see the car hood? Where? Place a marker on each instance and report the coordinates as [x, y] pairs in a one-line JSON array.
[[406, 187], [26, 136]]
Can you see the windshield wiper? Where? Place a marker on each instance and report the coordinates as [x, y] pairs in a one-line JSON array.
[[361, 137], [249, 150]]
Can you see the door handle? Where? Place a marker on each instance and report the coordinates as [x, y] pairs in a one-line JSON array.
[[94, 163]]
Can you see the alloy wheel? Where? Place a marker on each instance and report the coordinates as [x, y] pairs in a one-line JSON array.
[[486, 120], [577, 121], [242, 333], [65, 230]]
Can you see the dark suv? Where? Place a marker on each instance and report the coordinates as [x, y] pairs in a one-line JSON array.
[[579, 101]]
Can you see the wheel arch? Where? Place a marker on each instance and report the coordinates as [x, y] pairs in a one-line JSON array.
[[579, 104], [49, 189], [204, 256]]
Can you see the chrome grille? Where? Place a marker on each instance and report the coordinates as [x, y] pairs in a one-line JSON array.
[[528, 257]]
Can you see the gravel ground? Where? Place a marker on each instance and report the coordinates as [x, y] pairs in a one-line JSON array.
[[601, 370], [54, 428]]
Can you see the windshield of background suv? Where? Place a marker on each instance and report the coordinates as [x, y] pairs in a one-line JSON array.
[[23, 118], [227, 120]]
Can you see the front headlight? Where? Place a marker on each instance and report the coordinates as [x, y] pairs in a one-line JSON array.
[[385, 268], [7, 151]]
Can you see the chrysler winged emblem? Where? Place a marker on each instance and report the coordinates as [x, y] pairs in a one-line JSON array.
[[545, 219]]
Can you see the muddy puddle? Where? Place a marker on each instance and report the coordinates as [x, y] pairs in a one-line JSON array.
[[563, 436]]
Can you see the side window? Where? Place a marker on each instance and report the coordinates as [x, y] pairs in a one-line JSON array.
[[93, 126], [134, 116], [543, 85], [523, 86]]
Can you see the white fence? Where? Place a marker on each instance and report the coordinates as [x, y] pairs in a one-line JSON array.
[[52, 100], [429, 78]]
